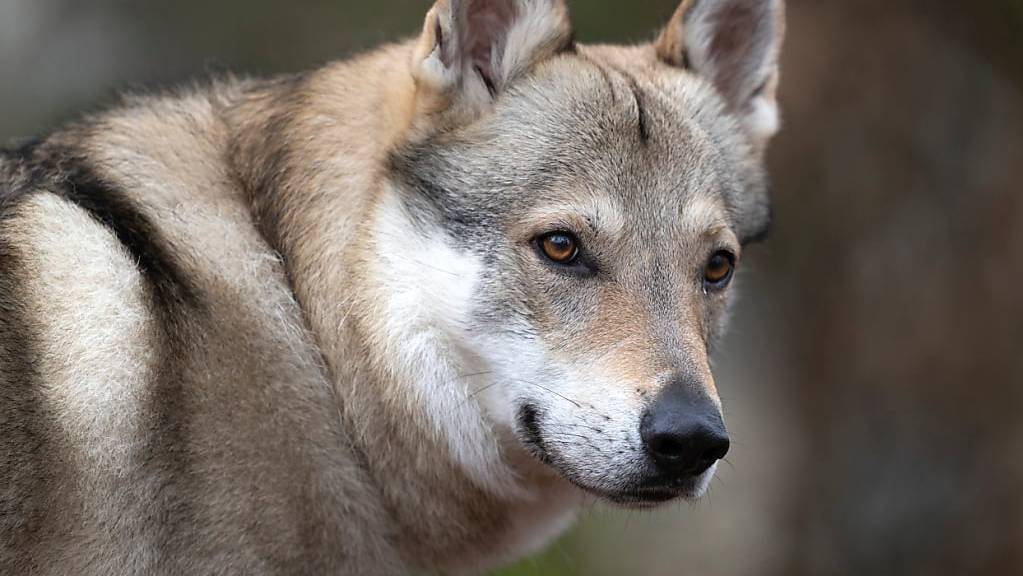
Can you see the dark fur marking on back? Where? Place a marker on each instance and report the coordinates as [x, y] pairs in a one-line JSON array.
[[67, 173], [81, 185], [176, 304]]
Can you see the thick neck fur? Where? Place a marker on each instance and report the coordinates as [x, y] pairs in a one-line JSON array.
[[311, 153]]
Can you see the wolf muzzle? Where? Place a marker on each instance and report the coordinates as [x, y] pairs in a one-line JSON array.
[[682, 430]]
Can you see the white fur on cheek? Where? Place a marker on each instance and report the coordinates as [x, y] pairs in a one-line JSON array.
[[427, 290], [514, 362]]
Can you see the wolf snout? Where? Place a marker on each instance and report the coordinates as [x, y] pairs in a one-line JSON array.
[[683, 432]]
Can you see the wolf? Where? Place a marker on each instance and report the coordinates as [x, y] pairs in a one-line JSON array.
[[402, 314]]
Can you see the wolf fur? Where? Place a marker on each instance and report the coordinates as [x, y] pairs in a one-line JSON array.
[[300, 326]]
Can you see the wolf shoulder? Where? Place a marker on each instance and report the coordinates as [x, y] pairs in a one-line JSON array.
[[137, 300]]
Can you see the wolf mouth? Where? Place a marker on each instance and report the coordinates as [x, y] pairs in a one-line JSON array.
[[644, 494], [643, 499]]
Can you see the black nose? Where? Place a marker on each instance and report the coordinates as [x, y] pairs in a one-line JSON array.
[[683, 431]]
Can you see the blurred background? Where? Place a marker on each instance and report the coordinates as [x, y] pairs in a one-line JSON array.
[[873, 380]]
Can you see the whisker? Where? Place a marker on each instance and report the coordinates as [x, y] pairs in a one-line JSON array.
[[479, 391], [542, 387]]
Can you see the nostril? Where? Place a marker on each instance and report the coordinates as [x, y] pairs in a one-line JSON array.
[[667, 447], [716, 450], [687, 450]]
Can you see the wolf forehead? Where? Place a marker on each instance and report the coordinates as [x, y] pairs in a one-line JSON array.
[[596, 121]]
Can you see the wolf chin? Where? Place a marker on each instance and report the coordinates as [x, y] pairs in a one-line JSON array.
[[401, 314]]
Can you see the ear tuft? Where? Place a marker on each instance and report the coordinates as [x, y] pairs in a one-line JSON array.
[[735, 45], [475, 48]]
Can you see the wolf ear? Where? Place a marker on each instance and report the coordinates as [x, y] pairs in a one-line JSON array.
[[470, 50], [735, 45]]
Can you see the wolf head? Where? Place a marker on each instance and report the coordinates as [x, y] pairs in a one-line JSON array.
[[570, 219]]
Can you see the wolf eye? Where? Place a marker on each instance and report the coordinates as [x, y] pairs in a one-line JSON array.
[[560, 247], [719, 271]]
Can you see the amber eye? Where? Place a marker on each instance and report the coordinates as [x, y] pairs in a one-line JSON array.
[[560, 247], [719, 271]]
